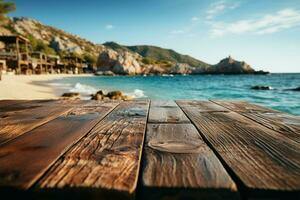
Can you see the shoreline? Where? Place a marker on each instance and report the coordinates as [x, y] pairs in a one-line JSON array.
[[31, 87]]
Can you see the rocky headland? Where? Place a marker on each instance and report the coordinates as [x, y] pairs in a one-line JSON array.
[[114, 59]]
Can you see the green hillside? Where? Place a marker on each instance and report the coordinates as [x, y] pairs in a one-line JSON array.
[[158, 53]]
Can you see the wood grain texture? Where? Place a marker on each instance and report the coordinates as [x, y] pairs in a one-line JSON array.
[[161, 103], [243, 106], [25, 159], [19, 105], [20, 118], [176, 159], [203, 106], [263, 160], [283, 123], [166, 112], [107, 160], [5, 103]]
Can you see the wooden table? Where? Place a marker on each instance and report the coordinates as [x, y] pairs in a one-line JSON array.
[[58, 149]]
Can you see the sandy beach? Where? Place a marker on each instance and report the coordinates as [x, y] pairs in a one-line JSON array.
[[32, 86]]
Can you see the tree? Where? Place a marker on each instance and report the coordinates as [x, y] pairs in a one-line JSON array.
[[39, 45], [6, 7], [148, 61], [89, 58], [42, 47]]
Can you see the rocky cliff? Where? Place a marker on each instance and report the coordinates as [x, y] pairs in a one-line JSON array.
[[231, 66], [118, 59], [54, 38], [122, 62]]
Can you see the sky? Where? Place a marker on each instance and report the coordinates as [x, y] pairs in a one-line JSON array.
[[265, 33]]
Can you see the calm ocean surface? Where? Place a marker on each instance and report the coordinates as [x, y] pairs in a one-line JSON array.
[[235, 87]]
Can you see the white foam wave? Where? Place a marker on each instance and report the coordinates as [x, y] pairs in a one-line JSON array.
[[87, 90], [63, 86], [83, 89], [60, 85], [137, 93]]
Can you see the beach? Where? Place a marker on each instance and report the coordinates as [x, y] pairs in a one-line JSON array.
[[33, 86]]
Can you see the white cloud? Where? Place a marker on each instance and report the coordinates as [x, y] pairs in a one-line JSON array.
[[215, 9], [220, 7], [271, 23], [109, 26], [195, 19]]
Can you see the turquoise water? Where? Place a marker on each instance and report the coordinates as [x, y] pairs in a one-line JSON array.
[[205, 87]]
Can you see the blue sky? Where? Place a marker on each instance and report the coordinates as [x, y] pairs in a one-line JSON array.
[[265, 34]]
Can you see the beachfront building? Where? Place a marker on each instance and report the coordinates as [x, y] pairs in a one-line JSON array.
[[16, 57], [3, 67], [73, 65], [16, 54], [39, 62], [43, 63], [53, 62]]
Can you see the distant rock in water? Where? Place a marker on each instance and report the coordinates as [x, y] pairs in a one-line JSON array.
[[294, 89], [115, 95], [261, 72], [98, 96], [70, 95], [261, 87], [231, 66]]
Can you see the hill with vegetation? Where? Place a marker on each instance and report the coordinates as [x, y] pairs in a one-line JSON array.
[[154, 54]]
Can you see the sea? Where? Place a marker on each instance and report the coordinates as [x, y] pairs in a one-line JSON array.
[[199, 87]]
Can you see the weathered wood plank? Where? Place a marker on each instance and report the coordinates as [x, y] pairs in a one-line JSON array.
[[4, 103], [19, 105], [203, 106], [243, 106], [166, 112], [263, 160], [162, 103], [27, 116], [283, 123], [177, 164], [25, 159], [105, 163]]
